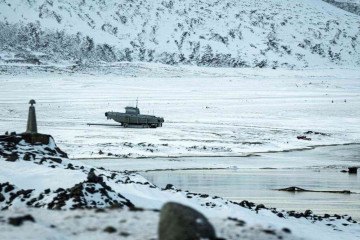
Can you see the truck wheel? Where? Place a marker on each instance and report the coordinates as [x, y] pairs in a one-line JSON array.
[[126, 125]]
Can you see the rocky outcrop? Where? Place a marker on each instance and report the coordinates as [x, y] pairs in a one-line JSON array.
[[15, 147], [40, 149]]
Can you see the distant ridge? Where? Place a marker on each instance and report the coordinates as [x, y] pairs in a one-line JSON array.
[[229, 33]]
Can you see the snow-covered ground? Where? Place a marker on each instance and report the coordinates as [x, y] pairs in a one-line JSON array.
[[47, 179], [207, 111]]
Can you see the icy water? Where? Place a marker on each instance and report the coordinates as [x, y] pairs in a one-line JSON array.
[[255, 178], [257, 185]]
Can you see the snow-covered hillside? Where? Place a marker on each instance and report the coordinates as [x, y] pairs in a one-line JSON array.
[[247, 33]]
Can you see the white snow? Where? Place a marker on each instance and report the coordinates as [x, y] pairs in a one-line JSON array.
[[208, 112], [27, 175]]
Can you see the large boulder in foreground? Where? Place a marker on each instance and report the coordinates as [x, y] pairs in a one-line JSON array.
[[180, 222]]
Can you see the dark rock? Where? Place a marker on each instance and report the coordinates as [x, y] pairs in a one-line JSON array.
[[57, 160], [59, 190], [247, 204], [27, 156], [43, 159], [204, 195], [178, 221], [70, 166], [353, 170], [17, 221], [269, 231], [51, 151], [31, 202], [239, 222], [260, 206], [110, 229], [90, 190], [286, 230], [36, 138], [2, 198], [62, 153], [303, 138], [93, 178], [317, 133], [280, 215], [307, 213], [100, 210], [124, 234], [9, 188], [12, 157], [24, 193], [168, 186], [47, 191]]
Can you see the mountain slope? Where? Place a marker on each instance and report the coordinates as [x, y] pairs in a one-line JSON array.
[[271, 33]]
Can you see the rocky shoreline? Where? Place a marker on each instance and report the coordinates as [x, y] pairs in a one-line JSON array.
[[100, 189]]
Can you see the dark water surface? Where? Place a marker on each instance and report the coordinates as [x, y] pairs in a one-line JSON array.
[[257, 185]]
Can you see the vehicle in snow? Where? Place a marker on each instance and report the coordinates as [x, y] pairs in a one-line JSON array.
[[133, 118]]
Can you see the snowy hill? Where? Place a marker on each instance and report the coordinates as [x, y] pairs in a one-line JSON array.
[[270, 33]]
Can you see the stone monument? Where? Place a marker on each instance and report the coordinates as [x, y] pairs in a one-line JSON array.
[[31, 123]]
